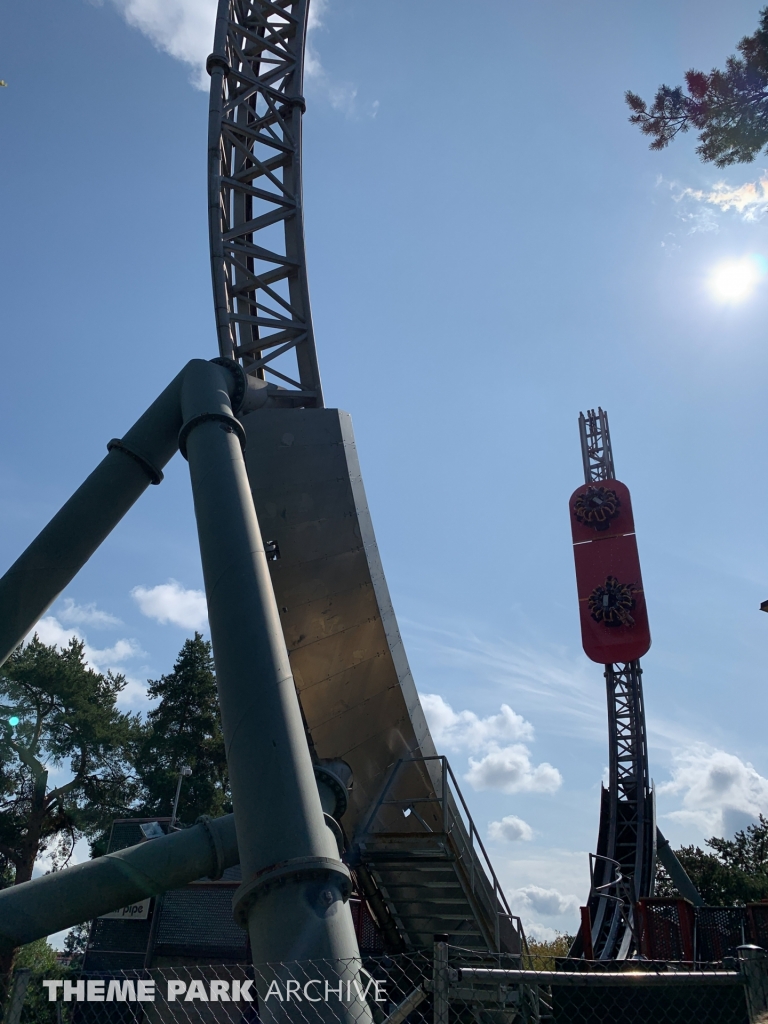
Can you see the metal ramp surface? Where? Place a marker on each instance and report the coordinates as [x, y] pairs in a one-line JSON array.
[[356, 691]]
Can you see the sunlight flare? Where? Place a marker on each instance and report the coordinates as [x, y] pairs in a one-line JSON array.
[[734, 280]]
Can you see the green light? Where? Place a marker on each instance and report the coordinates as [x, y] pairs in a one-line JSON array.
[[13, 720]]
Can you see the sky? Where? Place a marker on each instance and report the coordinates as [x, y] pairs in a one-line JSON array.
[[489, 253]]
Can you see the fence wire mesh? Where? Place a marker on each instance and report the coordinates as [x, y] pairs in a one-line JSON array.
[[447, 985]]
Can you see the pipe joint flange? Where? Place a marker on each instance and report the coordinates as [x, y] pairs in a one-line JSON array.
[[215, 60], [155, 475], [215, 840], [325, 775], [241, 384], [230, 423], [299, 869]]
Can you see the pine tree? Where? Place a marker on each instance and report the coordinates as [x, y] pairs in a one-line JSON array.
[[728, 108], [65, 752], [56, 713], [185, 729]]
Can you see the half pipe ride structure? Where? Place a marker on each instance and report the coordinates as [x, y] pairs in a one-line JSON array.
[[344, 784]]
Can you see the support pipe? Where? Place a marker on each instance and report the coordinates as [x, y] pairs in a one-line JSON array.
[[294, 900], [57, 554], [295, 889], [65, 898]]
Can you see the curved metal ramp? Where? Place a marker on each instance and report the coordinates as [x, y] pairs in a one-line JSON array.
[[357, 694]]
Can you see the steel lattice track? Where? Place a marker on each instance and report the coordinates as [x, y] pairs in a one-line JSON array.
[[256, 224], [627, 833]]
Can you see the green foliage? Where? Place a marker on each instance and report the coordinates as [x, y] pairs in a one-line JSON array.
[[735, 874], [185, 729], [75, 942], [69, 721], [39, 956], [728, 108], [541, 955]]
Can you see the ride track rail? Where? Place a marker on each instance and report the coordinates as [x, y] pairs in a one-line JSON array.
[[256, 223], [626, 846]]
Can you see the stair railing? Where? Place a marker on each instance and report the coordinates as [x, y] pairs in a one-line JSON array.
[[461, 833]]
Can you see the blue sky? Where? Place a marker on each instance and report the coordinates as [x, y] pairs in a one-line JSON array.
[[492, 248]]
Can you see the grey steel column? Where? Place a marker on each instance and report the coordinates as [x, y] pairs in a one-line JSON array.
[[295, 889], [58, 553]]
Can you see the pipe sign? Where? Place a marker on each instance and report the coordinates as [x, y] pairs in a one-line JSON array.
[[133, 912], [612, 610]]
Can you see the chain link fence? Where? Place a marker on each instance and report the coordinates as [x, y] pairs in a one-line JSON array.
[[444, 985]]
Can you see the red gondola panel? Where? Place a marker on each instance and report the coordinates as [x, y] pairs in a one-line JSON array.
[[614, 619]]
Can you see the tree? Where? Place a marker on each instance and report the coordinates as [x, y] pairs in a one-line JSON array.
[[735, 874], [59, 715], [185, 729], [75, 942], [542, 953], [728, 108], [58, 719]]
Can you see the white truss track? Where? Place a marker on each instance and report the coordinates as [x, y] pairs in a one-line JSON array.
[[256, 223]]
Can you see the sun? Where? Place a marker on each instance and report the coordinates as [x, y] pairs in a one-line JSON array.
[[734, 280]]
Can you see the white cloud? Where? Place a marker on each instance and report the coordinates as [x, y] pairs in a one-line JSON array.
[[510, 829], [700, 209], [714, 786], [504, 764], [172, 602], [105, 659], [548, 902], [750, 199], [85, 615], [509, 769], [51, 631], [184, 29], [464, 729]]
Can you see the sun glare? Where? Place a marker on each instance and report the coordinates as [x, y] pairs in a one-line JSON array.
[[735, 280]]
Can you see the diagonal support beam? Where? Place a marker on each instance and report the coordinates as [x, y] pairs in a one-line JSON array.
[[65, 898], [59, 552]]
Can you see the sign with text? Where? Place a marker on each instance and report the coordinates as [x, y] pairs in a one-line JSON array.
[[133, 912]]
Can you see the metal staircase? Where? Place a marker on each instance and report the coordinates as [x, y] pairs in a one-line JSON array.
[[430, 867]]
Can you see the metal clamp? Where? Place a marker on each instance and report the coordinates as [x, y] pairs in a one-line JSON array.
[[296, 101], [298, 869], [215, 60], [215, 840], [155, 475], [241, 384], [234, 426]]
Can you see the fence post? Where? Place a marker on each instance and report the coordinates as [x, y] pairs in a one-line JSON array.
[[440, 980], [753, 964], [16, 996]]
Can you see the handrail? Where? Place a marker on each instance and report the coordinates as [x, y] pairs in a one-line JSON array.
[[447, 777]]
